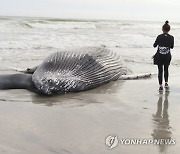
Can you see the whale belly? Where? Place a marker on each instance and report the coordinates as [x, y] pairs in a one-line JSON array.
[[80, 70]]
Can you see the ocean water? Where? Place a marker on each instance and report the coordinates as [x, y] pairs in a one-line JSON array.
[[27, 41], [79, 123]]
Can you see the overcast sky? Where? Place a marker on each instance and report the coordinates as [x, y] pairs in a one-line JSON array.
[[149, 10]]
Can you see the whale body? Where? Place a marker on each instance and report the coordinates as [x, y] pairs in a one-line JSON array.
[[73, 71], [69, 71]]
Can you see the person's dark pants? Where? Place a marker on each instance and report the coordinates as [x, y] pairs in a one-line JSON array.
[[160, 73]]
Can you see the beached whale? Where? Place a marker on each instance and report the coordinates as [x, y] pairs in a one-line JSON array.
[[70, 71]]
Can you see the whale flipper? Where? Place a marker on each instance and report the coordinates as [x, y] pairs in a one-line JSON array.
[[26, 71]]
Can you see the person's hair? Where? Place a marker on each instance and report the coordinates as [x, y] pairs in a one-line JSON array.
[[166, 27]]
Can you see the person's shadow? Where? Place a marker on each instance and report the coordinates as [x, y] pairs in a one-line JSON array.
[[162, 130]]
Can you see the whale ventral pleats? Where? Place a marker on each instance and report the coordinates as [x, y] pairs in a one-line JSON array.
[[78, 70]]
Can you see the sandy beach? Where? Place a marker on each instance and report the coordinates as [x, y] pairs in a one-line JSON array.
[[79, 123]]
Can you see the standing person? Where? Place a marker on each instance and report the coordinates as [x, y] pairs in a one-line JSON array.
[[162, 58]]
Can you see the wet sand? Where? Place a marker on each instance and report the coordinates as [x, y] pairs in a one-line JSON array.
[[79, 123]]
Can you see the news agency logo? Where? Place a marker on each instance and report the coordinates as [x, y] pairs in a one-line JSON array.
[[112, 141]]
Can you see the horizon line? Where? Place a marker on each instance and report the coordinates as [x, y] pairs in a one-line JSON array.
[[83, 19]]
